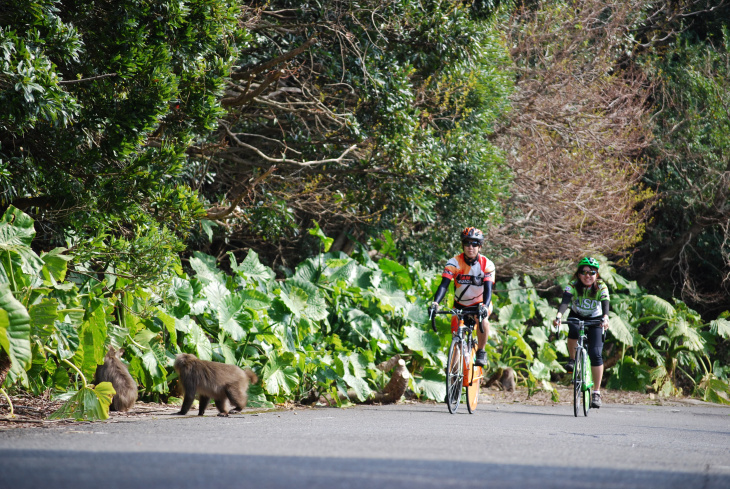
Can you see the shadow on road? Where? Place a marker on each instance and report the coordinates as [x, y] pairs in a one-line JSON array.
[[57, 469]]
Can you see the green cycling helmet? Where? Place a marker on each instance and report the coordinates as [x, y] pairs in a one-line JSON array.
[[590, 261]]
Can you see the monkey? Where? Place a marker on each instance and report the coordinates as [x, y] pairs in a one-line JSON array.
[[508, 380], [219, 381], [114, 371]]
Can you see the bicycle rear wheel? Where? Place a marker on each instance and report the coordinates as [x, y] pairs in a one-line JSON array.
[[577, 383], [473, 376], [586, 386], [454, 375]]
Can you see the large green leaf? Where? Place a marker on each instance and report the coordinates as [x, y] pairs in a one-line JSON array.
[[15, 329], [182, 289], [398, 271], [257, 397], [418, 313], [346, 272], [87, 404], [691, 338], [516, 292], [360, 323], [199, 342], [216, 293], [206, 268], [425, 342], [67, 340], [228, 317], [43, 316], [514, 314], [621, 330], [391, 295], [657, 306], [251, 267], [539, 370], [56, 265], [431, 384], [539, 336], [521, 344], [255, 300], [304, 299], [629, 374], [279, 312], [715, 390], [16, 234], [279, 376], [358, 385], [720, 326]]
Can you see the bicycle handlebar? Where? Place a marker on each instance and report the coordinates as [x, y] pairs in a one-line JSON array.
[[586, 322], [460, 313]]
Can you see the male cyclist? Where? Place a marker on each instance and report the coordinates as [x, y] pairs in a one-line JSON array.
[[473, 276], [588, 299]]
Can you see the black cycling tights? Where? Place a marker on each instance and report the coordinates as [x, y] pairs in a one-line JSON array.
[[595, 342]]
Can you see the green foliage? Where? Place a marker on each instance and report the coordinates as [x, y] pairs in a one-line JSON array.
[[317, 334], [99, 102], [690, 168], [87, 404]]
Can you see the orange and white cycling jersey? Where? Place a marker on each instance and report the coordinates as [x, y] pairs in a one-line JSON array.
[[469, 279]]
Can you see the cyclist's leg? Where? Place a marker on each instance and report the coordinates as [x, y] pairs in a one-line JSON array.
[[595, 349], [483, 337], [572, 344]]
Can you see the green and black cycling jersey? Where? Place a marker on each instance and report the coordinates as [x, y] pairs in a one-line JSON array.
[[585, 302]]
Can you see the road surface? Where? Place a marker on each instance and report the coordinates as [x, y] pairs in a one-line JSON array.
[[401, 446]]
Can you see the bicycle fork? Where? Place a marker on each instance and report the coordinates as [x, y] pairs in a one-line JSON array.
[[587, 372]]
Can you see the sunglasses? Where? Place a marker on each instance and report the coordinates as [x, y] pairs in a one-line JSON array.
[[588, 272], [474, 244]]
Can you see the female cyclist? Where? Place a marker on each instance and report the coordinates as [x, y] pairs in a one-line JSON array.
[[473, 276], [588, 298]]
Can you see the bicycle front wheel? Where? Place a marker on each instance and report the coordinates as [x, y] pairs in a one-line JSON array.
[[454, 375], [587, 385], [473, 379], [577, 383]]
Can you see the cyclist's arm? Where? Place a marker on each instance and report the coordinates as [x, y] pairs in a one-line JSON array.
[[441, 291], [487, 296], [604, 306], [567, 297]]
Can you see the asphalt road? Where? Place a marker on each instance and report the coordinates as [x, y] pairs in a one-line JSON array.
[[402, 446]]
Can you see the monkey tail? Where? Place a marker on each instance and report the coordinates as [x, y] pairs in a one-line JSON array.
[[251, 375]]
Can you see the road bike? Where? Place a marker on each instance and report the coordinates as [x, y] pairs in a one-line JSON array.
[[461, 373], [582, 373]]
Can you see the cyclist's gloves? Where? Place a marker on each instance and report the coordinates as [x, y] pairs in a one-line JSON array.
[[483, 310]]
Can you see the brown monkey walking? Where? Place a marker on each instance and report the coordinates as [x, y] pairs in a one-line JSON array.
[[219, 381], [113, 370]]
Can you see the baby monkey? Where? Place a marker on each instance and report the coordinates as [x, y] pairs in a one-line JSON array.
[[113, 370], [219, 381]]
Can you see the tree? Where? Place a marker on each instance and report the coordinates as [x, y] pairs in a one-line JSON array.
[[356, 115], [574, 138], [688, 241], [100, 101]]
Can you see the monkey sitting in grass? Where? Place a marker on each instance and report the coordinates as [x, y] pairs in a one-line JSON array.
[[113, 370], [212, 380]]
